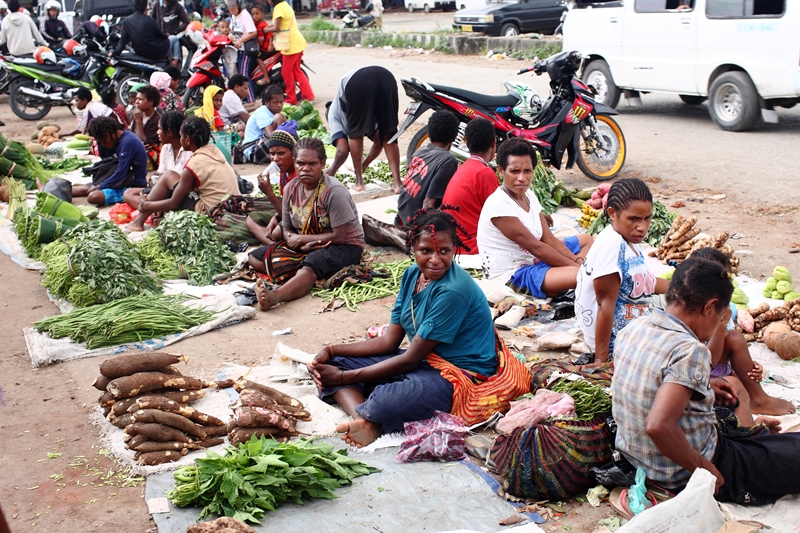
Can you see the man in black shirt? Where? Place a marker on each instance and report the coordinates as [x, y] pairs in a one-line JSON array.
[[172, 19], [143, 34]]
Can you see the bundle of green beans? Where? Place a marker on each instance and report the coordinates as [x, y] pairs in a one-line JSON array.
[[590, 400], [355, 293], [131, 319]]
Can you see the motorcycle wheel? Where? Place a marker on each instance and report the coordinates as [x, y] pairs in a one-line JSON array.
[[193, 97], [22, 103], [125, 85], [599, 164], [459, 148]]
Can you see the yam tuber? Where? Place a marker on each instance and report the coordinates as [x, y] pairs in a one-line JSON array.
[[215, 431], [763, 307], [101, 382], [122, 421], [177, 396], [157, 458], [106, 400], [157, 432], [174, 420], [772, 331], [786, 345], [135, 384], [262, 417], [135, 441], [746, 321], [279, 397], [153, 446], [158, 402], [239, 435], [126, 365]]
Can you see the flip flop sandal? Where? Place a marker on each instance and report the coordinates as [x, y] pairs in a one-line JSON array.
[[618, 499]]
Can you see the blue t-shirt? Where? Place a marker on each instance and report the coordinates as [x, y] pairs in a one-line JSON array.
[[132, 154], [452, 311], [260, 119]]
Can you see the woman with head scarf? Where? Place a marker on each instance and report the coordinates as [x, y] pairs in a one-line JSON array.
[[212, 102], [169, 100]]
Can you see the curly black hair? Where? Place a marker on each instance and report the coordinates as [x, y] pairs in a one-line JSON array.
[[109, 97], [173, 71], [442, 127], [151, 93], [712, 254], [515, 146], [628, 190], [197, 130], [269, 92], [237, 79], [696, 281], [432, 221], [103, 127], [172, 121], [83, 94], [310, 143], [479, 135]]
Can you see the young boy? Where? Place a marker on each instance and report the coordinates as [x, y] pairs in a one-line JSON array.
[[264, 40], [262, 123], [109, 97], [146, 116], [91, 110], [229, 55], [232, 110], [431, 168]]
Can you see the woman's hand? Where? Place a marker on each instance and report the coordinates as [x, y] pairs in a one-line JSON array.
[[142, 200], [328, 376], [756, 373], [723, 391], [313, 245], [293, 240]]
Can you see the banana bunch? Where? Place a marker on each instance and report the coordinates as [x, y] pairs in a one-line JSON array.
[[588, 214]]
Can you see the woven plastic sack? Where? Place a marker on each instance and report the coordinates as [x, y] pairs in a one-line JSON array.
[[224, 141], [440, 438], [552, 460]]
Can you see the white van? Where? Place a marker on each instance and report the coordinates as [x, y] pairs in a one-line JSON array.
[[741, 55]]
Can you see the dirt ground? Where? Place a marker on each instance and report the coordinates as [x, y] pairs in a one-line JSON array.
[[55, 478]]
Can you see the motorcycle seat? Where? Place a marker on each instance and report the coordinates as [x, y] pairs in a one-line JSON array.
[[56, 68], [134, 57], [483, 100]]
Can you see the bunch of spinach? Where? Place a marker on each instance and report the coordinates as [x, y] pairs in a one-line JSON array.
[[261, 474], [191, 238], [661, 222]]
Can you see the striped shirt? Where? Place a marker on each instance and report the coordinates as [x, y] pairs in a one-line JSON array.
[[649, 352]]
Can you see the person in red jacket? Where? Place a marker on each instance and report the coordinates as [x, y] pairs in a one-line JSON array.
[[474, 180]]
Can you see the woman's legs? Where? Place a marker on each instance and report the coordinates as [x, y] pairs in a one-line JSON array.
[[559, 279], [288, 73], [161, 190], [297, 287], [306, 91], [262, 233]]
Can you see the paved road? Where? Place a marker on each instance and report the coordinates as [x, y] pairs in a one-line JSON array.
[[665, 137]]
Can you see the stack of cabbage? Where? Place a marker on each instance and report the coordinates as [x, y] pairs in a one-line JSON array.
[[779, 286]]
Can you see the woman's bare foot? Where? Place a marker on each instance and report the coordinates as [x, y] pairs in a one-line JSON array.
[[358, 187], [359, 432], [266, 299], [396, 189], [773, 424], [770, 405], [133, 226]]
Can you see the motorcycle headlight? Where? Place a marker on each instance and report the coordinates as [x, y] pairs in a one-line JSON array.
[[488, 18]]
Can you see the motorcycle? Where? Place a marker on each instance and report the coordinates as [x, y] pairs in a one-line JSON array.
[[131, 69], [569, 121], [352, 21], [39, 87]]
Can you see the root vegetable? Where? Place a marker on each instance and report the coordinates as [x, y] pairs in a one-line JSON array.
[[126, 365], [278, 396], [239, 435], [208, 443], [719, 239], [772, 331], [184, 397], [135, 384], [135, 441], [682, 239], [153, 446], [157, 402], [101, 383], [220, 524], [157, 432], [122, 421], [174, 420], [746, 321], [225, 384], [684, 228], [262, 417], [215, 431], [679, 220], [157, 458], [763, 307], [786, 345], [773, 315], [107, 399]]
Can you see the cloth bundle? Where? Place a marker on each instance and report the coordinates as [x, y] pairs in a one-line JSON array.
[[545, 404]]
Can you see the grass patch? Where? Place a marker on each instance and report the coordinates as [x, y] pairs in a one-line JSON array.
[[322, 37], [321, 24], [542, 50]]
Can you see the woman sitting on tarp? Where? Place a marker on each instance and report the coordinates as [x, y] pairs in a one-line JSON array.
[[205, 180], [455, 363], [320, 231]]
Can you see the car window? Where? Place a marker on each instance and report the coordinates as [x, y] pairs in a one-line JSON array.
[[662, 6], [745, 8]]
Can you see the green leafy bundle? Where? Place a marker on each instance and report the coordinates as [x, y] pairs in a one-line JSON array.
[[100, 265], [131, 319], [590, 400], [662, 221], [353, 294], [189, 247], [63, 165], [262, 474]]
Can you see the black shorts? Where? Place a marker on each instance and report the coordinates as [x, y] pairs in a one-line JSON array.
[[371, 96], [188, 203], [327, 261]]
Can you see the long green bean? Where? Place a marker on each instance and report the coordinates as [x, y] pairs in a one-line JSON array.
[[353, 294]]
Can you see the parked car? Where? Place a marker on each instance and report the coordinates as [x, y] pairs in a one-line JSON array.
[[428, 5], [337, 8], [509, 18], [741, 55]]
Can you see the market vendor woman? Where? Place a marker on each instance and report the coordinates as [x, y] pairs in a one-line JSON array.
[[444, 315]]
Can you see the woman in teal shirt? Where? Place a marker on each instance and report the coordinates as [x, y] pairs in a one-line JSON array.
[[441, 310]]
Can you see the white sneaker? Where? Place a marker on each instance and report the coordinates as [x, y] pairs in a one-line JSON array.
[[510, 318]]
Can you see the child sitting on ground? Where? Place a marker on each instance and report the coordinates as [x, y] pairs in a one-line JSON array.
[[109, 97], [262, 123], [232, 110], [91, 110]]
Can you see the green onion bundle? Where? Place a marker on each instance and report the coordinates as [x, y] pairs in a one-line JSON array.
[[590, 400], [355, 293], [131, 319]]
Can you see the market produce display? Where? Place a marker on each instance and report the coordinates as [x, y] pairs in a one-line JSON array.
[[49, 219], [680, 241], [263, 411], [590, 400], [262, 474], [224, 524], [779, 285], [588, 215], [309, 123], [95, 263], [185, 245], [659, 226], [552, 192], [16, 161], [131, 319], [754, 322], [352, 294]]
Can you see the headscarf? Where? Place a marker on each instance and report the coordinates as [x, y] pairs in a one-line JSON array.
[[284, 135], [160, 80], [207, 111]]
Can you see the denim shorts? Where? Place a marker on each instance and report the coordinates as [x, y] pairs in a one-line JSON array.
[[529, 278]]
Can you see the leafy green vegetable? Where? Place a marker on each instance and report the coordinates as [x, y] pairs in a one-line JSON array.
[[63, 165], [130, 319], [662, 221], [353, 294], [262, 474], [590, 400]]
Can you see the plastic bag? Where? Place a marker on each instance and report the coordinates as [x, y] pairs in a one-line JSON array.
[[637, 501], [121, 213], [692, 511], [440, 438]]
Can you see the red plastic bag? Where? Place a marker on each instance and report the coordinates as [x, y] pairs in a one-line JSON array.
[[440, 438], [121, 213]]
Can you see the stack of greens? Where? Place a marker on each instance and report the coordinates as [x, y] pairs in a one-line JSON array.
[[590, 400], [662, 221], [186, 245], [95, 263], [261, 474], [552, 192], [131, 319], [67, 164], [309, 123], [354, 293], [17, 162], [49, 219]]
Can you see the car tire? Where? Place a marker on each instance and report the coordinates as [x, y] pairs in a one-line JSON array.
[[410, 8], [692, 99], [426, 8], [598, 74], [734, 102], [509, 30]]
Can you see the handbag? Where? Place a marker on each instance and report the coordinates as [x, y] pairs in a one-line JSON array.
[[104, 168], [282, 37], [251, 47]]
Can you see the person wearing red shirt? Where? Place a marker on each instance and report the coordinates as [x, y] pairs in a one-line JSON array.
[[474, 180], [264, 38]]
